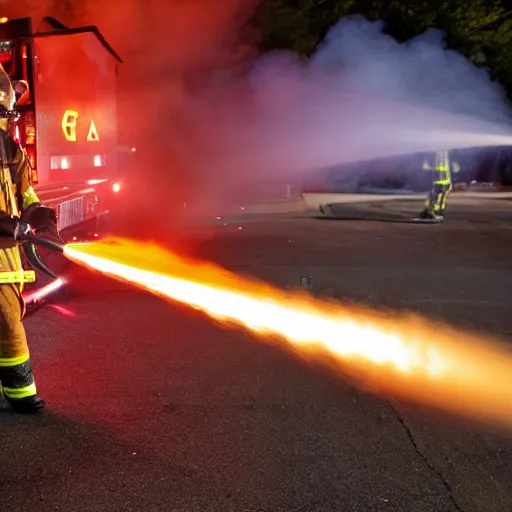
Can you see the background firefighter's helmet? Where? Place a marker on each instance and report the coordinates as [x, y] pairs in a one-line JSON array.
[[7, 100]]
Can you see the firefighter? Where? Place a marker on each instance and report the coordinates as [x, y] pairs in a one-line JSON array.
[[20, 212], [435, 204]]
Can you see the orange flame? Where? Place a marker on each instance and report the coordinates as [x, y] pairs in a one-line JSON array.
[[398, 355]]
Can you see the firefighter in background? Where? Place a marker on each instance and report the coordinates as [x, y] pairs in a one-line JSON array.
[[20, 212], [442, 185]]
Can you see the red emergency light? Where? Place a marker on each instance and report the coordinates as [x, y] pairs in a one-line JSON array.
[[6, 51]]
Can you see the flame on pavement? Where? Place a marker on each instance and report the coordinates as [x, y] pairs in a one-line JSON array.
[[398, 355]]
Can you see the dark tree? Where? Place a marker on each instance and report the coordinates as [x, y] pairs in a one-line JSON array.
[[480, 29]]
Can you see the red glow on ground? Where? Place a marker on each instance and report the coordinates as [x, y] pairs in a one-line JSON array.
[[64, 311]]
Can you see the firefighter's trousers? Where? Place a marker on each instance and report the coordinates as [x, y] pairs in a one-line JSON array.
[[15, 368], [437, 198]]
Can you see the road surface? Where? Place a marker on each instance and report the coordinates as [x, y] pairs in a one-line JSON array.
[[152, 407]]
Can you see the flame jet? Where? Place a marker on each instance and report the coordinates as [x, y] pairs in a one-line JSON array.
[[390, 354]]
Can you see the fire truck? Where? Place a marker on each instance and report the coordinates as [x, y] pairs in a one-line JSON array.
[[67, 124]]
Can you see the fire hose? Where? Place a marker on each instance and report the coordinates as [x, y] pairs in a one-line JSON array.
[[30, 242]]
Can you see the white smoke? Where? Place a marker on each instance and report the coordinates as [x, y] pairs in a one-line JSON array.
[[420, 71], [361, 96]]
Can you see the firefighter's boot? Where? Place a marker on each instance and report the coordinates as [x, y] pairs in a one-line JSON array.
[[27, 405], [431, 215]]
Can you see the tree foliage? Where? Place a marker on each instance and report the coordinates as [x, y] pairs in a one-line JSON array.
[[480, 29]]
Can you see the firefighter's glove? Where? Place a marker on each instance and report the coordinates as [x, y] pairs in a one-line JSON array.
[[10, 226], [22, 231], [44, 222]]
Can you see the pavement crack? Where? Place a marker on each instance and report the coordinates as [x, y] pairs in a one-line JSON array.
[[432, 468]]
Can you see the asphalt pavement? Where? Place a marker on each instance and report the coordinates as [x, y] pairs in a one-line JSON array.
[[153, 407]]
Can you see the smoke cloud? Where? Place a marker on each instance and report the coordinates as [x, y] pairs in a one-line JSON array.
[[361, 96], [215, 124], [420, 72]]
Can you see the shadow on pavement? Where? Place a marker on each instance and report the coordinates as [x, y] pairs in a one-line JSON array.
[[379, 218], [50, 462], [404, 211]]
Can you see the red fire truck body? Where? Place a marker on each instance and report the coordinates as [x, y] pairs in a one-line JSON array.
[[68, 122]]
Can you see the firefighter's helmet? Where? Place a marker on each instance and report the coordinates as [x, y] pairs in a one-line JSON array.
[[7, 100]]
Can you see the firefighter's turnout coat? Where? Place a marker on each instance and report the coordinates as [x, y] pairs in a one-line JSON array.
[[441, 181], [16, 194]]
